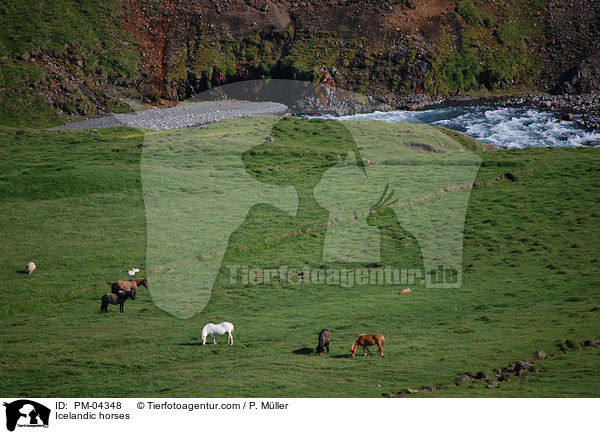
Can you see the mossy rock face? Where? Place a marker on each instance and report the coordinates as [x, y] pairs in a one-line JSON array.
[[480, 47], [115, 105], [390, 50], [471, 14], [491, 53]]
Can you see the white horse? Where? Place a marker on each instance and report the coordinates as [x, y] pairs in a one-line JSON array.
[[217, 329]]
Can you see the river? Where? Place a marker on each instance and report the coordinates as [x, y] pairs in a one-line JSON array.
[[507, 127]]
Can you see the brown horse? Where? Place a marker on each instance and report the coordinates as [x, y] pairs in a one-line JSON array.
[[128, 285], [324, 337], [366, 341]]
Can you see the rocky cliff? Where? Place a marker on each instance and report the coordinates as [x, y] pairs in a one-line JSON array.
[[84, 58]]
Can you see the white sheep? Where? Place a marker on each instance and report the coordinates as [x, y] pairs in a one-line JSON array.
[[30, 267]]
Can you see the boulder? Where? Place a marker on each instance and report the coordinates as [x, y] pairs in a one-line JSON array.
[[572, 344], [480, 376], [568, 117]]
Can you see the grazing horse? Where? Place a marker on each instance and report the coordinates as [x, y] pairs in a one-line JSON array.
[[366, 341], [324, 337], [217, 329], [128, 285], [119, 299]]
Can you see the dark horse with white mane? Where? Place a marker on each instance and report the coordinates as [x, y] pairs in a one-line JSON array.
[[324, 337], [366, 341], [119, 299], [128, 285]]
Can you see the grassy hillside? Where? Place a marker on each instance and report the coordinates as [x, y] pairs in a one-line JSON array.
[[63, 59], [72, 202]]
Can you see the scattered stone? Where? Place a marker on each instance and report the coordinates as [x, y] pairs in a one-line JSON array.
[[464, 378], [502, 377], [572, 344], [509, 176], [410, 391], [519, 368], [568, 117], [565, 105], [409, 4]]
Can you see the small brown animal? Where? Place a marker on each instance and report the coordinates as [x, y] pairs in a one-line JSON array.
[[127, 285], [366, 341], [324, 337]]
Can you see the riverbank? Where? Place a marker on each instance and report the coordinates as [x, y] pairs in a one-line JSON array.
[[517, 121], [181, 116], [584, 109], [567, 106]]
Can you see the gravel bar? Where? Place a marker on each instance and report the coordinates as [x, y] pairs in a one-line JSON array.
[[181, 116]]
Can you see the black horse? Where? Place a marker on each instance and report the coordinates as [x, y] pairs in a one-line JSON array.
[[119, 299], [324, 337]]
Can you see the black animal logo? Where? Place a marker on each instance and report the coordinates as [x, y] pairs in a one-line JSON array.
[[31, 411]]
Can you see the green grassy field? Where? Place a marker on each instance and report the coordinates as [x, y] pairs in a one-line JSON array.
[[73, 202]]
